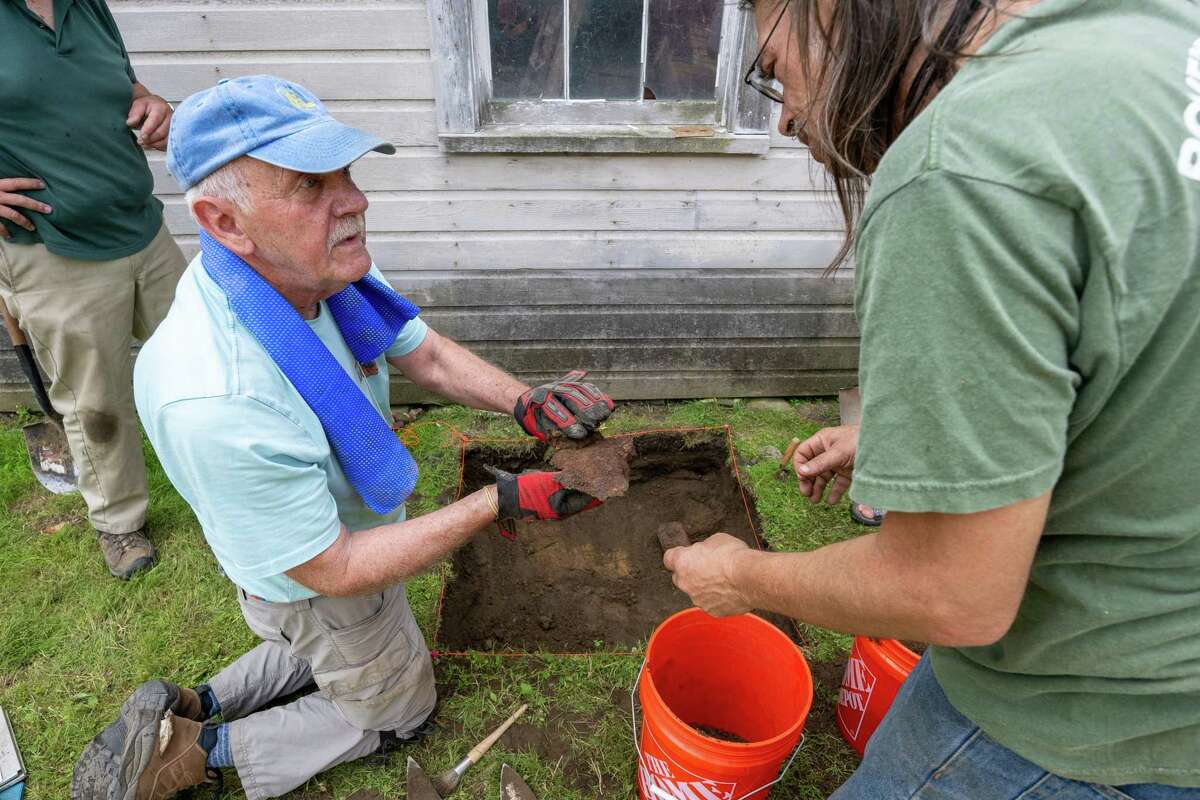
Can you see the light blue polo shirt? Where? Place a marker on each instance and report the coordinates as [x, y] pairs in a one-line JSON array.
[[241, 445]]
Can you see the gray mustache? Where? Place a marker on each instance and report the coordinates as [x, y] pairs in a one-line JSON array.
[[347, 226]]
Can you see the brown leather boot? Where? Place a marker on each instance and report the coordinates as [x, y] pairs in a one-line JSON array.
[[126, 553], [161, 759], [97, 766]]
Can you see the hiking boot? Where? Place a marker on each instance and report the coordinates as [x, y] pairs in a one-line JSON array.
[[162, 758], [126, 553], [96, 770]]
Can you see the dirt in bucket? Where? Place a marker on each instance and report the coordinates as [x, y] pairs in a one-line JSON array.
[[594, 580], [717, 733]]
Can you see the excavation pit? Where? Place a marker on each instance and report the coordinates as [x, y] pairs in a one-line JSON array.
[[594, 581]]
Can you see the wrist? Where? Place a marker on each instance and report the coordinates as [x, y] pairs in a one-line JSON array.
[[738, 570], [491, 500]]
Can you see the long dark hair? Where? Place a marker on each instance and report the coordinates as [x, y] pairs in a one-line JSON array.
[[856, 63]]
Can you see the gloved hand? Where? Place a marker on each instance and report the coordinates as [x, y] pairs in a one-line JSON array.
[[537, 495], [566, 407]]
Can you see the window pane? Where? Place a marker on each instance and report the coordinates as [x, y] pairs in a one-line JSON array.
[[606, 49], [681, 49], [527, 48]]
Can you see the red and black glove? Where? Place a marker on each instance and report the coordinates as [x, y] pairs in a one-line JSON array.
[[565, 407], [537, 495]]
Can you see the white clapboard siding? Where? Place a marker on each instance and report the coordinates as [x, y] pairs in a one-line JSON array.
[[495, 210], [665, 275], [427, 168], [395, 253], [331, 75], [205, 28]]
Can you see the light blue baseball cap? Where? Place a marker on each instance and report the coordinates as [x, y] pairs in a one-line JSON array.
[[265, 117]]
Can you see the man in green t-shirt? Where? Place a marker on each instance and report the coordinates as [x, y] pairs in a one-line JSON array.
[[86, 263], [1028, 290]]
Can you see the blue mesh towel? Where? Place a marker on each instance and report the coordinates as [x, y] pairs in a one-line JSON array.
[[370, 314]]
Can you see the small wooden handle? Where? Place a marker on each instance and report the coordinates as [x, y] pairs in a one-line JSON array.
[[10, 324], [478, 750], [789, 452]]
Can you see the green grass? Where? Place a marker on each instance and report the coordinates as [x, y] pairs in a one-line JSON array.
[[74, 642]]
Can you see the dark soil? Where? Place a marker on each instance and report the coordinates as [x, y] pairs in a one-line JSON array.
[[916, 647], [717, 733], [595, 579]]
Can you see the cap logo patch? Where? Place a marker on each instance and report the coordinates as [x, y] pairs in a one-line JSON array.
[[296, 100]]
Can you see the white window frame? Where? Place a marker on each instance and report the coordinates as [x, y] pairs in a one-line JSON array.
[[470, 121]]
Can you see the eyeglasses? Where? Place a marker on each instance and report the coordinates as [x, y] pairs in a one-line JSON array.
[[767, 87]]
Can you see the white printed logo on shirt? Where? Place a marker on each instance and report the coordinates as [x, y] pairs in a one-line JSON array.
[[1189, 151]]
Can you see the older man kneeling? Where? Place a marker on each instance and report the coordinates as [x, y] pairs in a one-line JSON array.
[[265, 394]]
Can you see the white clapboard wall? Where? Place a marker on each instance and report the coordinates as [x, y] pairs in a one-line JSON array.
[[667, 276]]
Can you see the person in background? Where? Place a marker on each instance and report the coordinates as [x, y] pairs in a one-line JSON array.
[[86, 263], [1028, 290]]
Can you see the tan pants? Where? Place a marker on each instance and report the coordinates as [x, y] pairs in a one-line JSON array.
[[80, 318], [373, 673]]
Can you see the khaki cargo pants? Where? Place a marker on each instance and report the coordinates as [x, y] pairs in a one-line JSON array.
[[80, 318], [369, 661]]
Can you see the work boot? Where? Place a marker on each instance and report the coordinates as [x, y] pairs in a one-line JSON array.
[[96, 769], [126, 553], [162, 758]]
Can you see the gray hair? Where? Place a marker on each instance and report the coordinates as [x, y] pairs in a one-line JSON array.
[[225, 183]]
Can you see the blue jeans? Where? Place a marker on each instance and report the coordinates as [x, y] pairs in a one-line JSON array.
[[925, 750]]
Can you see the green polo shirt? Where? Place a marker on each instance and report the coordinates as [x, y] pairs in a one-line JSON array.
[[65, 96], [1028, 288]]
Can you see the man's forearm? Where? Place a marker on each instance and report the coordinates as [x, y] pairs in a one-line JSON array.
[[370, 560], [845, 586], [457, 374]]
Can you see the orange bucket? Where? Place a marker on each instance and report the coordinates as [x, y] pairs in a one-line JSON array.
[[734, 675], [874, 673]]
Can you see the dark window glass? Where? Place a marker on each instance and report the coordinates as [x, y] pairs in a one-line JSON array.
[[606, 49], [683, 39], [527, 48]]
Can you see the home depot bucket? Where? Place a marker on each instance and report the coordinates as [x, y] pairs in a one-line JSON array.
[[735, 675], [873, 675]]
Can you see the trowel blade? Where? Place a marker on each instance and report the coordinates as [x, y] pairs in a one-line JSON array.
[[512, 787], [419, 785], [50, 457]]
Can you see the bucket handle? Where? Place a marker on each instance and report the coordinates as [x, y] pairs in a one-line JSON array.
[[659, 793]]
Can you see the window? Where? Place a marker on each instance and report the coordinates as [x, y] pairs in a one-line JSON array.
[[596, 76]]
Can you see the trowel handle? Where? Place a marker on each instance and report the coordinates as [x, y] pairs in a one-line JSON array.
[[28, 364], [478, 750], [789, 452], [14, 331]]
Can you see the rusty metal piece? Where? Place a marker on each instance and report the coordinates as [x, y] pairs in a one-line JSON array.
[[600, 469]]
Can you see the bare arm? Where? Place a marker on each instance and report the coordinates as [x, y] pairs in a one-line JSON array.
[[371, 560], [442, 366], [949, 579]]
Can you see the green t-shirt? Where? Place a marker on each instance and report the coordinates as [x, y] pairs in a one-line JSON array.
[[64, 98], [1028, 290]]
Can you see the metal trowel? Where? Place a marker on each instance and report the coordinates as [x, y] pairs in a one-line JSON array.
[[512, 787], [419, 785]]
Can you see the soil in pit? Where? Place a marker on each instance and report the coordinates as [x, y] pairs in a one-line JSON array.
[[594, 580]]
